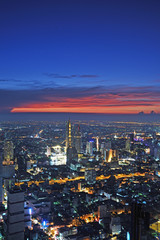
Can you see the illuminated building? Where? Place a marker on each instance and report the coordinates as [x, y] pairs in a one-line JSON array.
[[110, 154], [147, 150], [6, 176], [48, 152], [89, 148], [68, 135], [79, 186], [58, 157], [78, 140], [103, 148], [27, 215], [115, 226], [90, 175], [126, 161], [97, 143], [127, 145], [22, 160], [157, 152], [15, 216], [8, 153]]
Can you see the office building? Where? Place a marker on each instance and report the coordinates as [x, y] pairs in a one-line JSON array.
[[8, 153], [115, 226], [103, 211], [97, 143], [140, 221], [15, 216], [90, 176], [89, 148], [72, 155], [110, 154], [68, 135], [78, 140], [127, 145]]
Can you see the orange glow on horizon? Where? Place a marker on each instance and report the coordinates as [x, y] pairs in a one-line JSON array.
[[93, 104], [113, 110]]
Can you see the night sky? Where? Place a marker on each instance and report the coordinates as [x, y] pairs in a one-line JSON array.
[[87, 56]]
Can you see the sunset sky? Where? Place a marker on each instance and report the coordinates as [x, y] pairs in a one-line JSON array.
[[83, 56]]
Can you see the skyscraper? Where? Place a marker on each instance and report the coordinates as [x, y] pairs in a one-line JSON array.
[[109, 154], [78, 140], [127, 145], [15, 217], [140, 220], [68, 135], [8, 153], [72, 156], [89, 148], [97, 143], [90, 176]]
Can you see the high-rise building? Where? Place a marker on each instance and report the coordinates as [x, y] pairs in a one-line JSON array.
[[140, 220], [72, 155], [90, 175], [108, 145], [8, 153], [110, 154], [27, 215], [127, 145], [103, 211], [89, 148], [97, 143], [68, 135], [15, 216], [115, 226], [78, 140], [22, 159]]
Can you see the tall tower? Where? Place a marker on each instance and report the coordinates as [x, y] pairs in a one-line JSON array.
[[97, 143], [15, 220], [68, 135], [89, 148], [127, 145], [78, 140], [8, 153]]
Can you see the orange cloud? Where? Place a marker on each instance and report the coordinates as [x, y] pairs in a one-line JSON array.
[[103, 103]]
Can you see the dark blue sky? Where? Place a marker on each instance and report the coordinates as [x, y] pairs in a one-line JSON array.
[[76, 46]]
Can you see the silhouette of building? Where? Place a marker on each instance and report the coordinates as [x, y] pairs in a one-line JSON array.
[[15, 215], [72, 156], [78, 139], [140, 221]]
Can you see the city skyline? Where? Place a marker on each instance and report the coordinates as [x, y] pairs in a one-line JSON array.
[[80, 57]]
